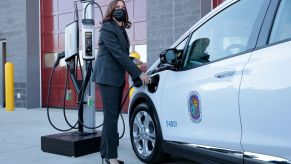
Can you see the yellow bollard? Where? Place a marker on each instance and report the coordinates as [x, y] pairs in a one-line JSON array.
[[131, 93], [136, 56], [9, 86]]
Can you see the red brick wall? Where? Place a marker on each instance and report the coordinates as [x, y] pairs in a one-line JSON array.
[[217, 2]]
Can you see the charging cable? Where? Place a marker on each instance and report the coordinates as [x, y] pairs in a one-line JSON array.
[[91, 3], [60, 56]]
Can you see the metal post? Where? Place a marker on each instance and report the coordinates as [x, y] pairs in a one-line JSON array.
[[9, 86], [89, 107], [2, 93]]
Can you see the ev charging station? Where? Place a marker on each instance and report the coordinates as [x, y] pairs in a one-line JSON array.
[[86, 139], [88, 53]]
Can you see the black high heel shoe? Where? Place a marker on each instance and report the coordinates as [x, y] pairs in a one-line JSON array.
[[102, 157], [108, 162]]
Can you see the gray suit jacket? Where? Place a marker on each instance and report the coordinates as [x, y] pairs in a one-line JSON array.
[[113, 57]]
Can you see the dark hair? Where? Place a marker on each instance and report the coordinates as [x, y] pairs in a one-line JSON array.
[[110, 10]]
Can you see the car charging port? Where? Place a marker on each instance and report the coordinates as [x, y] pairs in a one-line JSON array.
[[152, 88]]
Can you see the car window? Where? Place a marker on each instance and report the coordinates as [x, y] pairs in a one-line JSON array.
[[282, 25], [224, 35]]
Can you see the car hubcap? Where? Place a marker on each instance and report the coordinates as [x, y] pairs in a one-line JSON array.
[[144, 134]]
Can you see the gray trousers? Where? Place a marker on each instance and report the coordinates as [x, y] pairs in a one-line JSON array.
[[111, 99]]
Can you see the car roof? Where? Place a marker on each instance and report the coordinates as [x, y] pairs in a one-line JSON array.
[[208, 16]]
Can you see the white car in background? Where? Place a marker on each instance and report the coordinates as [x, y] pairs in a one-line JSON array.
[[222, 92]]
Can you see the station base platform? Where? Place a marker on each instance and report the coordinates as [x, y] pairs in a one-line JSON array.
[[71, 143]]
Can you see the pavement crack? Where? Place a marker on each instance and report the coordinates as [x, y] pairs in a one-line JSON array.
[[29, 147]]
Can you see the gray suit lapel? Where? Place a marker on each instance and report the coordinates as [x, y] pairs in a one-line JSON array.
[[121, 37]]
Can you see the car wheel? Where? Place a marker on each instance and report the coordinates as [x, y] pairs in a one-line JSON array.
[[146, 136]]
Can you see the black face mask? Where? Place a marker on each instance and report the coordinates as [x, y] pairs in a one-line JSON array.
[[119, 14]]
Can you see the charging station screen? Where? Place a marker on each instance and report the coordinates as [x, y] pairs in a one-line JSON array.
[[88, 36]]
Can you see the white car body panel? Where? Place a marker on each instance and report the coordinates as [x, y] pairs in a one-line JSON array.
[[220, 125], [155, 97], [265, 101]]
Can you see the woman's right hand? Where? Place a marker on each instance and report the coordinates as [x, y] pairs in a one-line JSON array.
[[145, 79]]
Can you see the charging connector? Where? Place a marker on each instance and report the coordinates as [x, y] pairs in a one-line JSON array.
[[59, 57]]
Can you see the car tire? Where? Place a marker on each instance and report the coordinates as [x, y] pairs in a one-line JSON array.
[[145, 134]]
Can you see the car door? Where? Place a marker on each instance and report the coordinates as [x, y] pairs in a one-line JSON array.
[[266, 91], [200, 101]]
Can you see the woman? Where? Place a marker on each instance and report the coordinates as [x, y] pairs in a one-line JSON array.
[[109, 73]]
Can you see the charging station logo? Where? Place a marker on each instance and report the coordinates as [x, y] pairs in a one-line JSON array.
[[194, 107]]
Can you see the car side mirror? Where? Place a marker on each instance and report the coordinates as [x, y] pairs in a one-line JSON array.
[[169, 56]]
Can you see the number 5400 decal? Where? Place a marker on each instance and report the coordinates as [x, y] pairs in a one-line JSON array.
[[171, 124]]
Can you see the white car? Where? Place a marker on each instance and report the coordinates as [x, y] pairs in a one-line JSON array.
[[222, 92]]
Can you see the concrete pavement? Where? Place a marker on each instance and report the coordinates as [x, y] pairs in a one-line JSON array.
[[20, 133]]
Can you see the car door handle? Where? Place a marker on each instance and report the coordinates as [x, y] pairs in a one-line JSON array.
[[225, 74]]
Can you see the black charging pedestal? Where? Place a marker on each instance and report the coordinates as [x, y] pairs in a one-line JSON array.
[[71, 143], [76, 143]]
